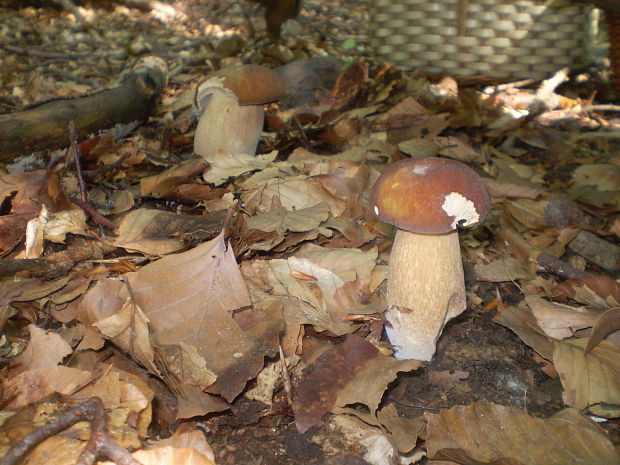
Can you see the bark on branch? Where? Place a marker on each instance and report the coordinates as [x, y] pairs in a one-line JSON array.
[[45, 126]]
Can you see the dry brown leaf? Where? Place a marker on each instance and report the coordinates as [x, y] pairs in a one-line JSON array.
[[523, 324], [515, 180], [501, 270], [601, 176], [186, 436], [344, 179], [33, 385], [530, 213], [169, 455], [161, 184], [56, 450], [348, 264], [44, 350], [485, 433], [185, 363], [159, 232], [419, 147], [559, 321], [310, 283], [101, 301], [600, 292], [128, 329], [511, 189], [454, 147], [615, 227], [24, 205], [24, 290], [280, 220], [310, 297], [293, 193], [606, 324], [403, 432], [356, 234], [230, 165], [78, 284], [379, 450], [350, 373], [590, 380], [190, 298], [57, 225], [127, 400]]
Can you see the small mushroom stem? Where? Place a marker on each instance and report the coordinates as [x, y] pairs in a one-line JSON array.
[[225, 126], [426, 289]]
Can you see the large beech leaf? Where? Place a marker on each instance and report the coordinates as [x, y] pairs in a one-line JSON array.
[[190, 298], [590, 380], [490, 433]]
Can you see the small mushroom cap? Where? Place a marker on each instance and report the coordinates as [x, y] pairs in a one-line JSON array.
[[251, 84], [430, 196]]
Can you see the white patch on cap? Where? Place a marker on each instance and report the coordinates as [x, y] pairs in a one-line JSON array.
[[420, 170], [376, 210], [462, 209]]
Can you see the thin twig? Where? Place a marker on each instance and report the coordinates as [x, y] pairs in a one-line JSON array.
[[95, 215]]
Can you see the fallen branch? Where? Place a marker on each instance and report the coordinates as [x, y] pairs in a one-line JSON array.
[[100, 443], [45, 126], [560, 268], [56, 264]]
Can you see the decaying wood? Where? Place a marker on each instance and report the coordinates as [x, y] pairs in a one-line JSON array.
[[46, 126], [56, 264], [597, 250]]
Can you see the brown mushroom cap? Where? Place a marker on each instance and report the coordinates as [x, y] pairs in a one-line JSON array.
[[251, 84], [430, 196]]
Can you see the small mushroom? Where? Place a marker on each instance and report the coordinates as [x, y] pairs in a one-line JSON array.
[[426, 199], [232, 109]]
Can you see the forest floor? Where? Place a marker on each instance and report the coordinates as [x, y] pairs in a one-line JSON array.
[[529, 373]]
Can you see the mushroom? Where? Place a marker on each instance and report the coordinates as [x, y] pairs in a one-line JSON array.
[[426, 199], [232, 109]]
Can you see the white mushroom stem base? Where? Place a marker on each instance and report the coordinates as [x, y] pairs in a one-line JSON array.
[[225, 126], [426, 288]]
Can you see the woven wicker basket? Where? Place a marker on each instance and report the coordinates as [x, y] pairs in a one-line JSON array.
[[493, 38]]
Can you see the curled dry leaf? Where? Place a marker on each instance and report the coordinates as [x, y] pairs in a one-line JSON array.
[[606, 324], [162, 184]]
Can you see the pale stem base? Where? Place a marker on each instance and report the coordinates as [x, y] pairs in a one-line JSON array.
[[426, 288], [225, 126]]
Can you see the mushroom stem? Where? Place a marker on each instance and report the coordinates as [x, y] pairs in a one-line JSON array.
[[426, 289], [226, 126]]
